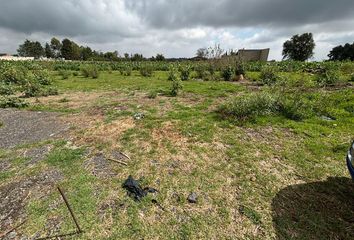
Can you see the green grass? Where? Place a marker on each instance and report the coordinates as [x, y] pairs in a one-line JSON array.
[[252, 179]]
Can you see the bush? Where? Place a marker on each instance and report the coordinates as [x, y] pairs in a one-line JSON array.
[[352, 78], [90, 71], [64, 74], [12, 102], [146, 71], [152, 94], [329, 77], [176, 82], [227, 73], [126, 71], [248, 107], [6, 89], [269, 75], [75, 74], [240, 70], [295, 106], [185, 73]]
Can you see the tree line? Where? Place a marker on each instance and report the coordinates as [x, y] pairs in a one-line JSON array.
[[69, 50], [298, 48]]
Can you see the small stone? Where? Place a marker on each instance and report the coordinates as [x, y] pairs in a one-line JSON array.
[[138, 116], [192, 198]]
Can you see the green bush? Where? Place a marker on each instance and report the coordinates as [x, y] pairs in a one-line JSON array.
[[90, 71], [329, 77], [248, 107], [75, 74], [240, 70], [185, 73], [176, 82], [146, 71], [152, 94], [12, 102], [6, 89], [269, 75], [351, 78], [64, 74], [227, 73]]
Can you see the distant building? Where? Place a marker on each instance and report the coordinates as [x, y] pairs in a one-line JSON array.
[[250, 55], [8, 57]]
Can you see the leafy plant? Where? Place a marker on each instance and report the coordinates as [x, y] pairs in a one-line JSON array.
[[185, 73], [329, 77], [227, 73], [146, 71], [12, 102], [269, 75], [176, 82]]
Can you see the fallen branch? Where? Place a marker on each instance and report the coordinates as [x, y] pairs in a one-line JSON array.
[[125, 155], [70, 210], [118, 161]]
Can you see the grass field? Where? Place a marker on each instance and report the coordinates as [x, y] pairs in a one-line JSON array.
[[271, 177]]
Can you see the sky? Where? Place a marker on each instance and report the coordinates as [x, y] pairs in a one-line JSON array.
[[177, 28]]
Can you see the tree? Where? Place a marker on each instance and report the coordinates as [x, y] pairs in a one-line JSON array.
[[137, 57], [48, 51], [31, 49], [66, 49], [299, 47], [126, 55], [160, 57], [70, 50], [342, 53], [202, 53], [55, 45], [86, 53]]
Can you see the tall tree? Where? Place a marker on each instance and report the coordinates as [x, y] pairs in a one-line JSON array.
[[299, 47], [342, 53], [160, 57], [31, 49], [66, 49], [55, 45], [48, 51]]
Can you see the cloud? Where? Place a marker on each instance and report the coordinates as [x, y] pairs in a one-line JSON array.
[[177, 28]]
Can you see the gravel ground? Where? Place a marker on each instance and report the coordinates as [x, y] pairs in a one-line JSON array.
[[20, 127]]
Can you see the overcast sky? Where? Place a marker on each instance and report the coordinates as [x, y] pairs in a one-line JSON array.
[[177, 28]]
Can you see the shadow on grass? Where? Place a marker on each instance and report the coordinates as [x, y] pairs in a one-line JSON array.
[[319, 210]]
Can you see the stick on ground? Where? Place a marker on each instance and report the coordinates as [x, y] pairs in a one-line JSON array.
[[70, 210]]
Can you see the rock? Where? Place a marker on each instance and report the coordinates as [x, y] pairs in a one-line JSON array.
[[325, 118], [138, 116], [192, 198]]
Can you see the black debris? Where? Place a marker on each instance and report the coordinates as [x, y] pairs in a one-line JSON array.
[[192, 198], [135, 190]]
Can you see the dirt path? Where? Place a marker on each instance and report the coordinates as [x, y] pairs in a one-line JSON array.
[[20, 127]]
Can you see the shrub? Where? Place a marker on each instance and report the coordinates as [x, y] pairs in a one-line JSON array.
[[75, 74], [64, 74], [239, 70], [176, 82], [126, 71], [152, 94], [185, 73], [146, 71], [227, 73], [6, 89], [351, 78], [90, 71], [295, 106], [85, 71], [248, 107], [269, 75], [12, 102], [329, 77]]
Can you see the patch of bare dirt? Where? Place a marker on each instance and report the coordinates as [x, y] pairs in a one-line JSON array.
[[25, 127]]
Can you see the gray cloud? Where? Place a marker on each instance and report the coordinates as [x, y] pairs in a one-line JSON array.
[[176, 27], [241, 13]]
